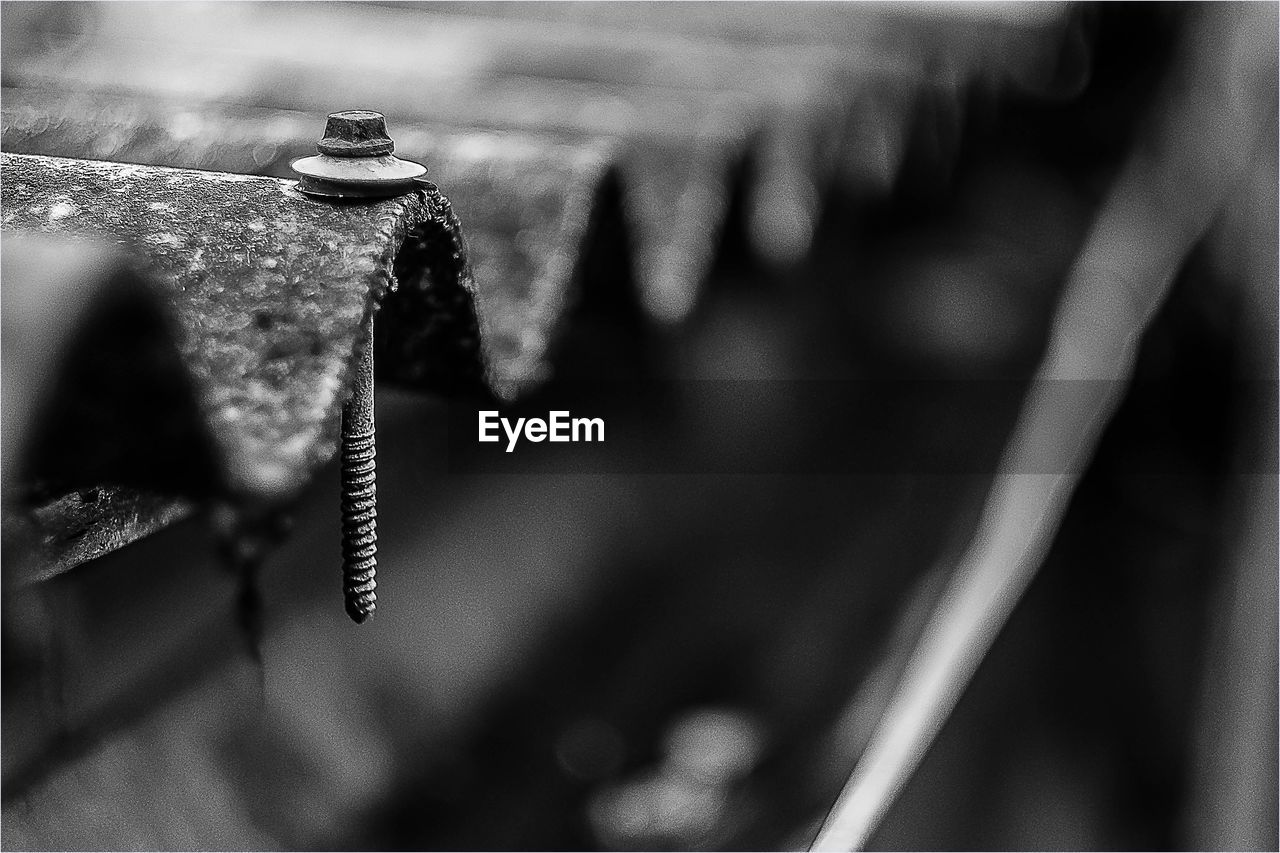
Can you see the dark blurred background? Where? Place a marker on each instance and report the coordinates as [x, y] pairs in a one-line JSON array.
[[667, 657]]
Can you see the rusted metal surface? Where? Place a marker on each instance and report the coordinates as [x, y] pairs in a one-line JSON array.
[[268, 292], [526, 202]]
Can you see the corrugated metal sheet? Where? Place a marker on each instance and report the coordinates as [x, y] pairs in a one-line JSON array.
[[526, 124], [528, 201], [269, 290], [264, 294], [526, 118], [683, 106]]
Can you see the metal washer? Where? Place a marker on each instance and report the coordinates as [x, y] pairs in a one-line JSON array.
[[356, 177]]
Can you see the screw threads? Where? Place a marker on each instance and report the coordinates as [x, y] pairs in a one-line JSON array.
[[360, 491], [359, 523]]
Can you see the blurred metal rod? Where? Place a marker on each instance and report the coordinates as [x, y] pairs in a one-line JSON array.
[[1192, 155]]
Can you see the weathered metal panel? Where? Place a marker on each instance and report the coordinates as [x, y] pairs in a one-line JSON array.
[[88, 524], [270, 291], [690, 97], [529, 204], [526, 202], [526, 198]]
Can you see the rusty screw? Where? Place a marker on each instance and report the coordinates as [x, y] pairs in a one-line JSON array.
[[355, 161]]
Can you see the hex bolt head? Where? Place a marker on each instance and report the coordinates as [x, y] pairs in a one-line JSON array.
[[356, 133]]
